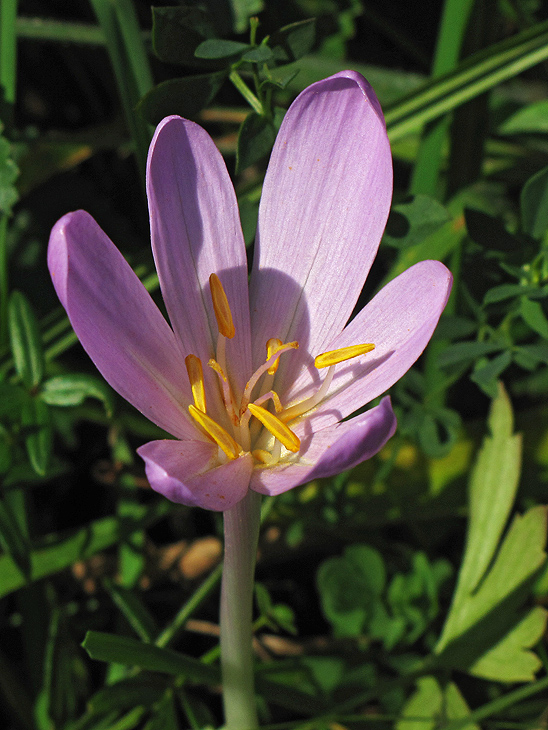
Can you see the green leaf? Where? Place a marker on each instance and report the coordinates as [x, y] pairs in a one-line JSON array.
[[534, 204], [26, 343], [486, 373], [242, 10], [493, 484], [165, 715], [135, 611], [217, 48], [72, 390], [479, 73], [532, 313], [142, 690], [349, 586], [508, 661], [185, 96], [255, 140], [36, 424], [463, 351], [131, 67], [507, 291], [62, 551], [531, 118], [413, 220], [128, 651], [259, 54], [293, 41], [9, 173], [178, 31], [430, 707], [491, 589], [13, 540], [437, 245]]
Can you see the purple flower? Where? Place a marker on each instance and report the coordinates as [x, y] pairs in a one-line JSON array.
[[255, 382]]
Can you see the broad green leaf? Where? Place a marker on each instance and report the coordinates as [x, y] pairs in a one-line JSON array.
[[507, 291], [431, 706], [413, 220], [62, 551], [493, 484], [486, 373], [131, 652], [293, 41], [135, 611], [72, 390], [531, 118], [509, 660], [490, 620], [259, 54], [533, 315], [463, 351], [13, 540], [217, 48], [534, 204], [36, 424], [26, 343], [349, 587], [184, 96]]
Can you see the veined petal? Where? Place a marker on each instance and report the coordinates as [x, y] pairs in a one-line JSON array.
[[196, 231], [118, 324], [187, 472], [330, 451], [325, 201], [400, 321]]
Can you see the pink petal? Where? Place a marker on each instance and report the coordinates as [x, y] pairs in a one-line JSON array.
[[196, 231], [187, 472], [399, 321], [117, 322], [330, 451], [325, 202]]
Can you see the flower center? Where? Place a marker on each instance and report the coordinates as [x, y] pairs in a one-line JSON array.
[[255, 428]]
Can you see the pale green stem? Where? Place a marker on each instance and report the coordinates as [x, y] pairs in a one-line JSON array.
[[241, 527]]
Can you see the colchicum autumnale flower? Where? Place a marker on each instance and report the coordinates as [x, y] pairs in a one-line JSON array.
[[255, 382]]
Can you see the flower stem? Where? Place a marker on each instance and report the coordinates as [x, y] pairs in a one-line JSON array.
[[241, 527]]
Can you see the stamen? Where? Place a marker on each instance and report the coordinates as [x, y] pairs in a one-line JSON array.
[[333, 357], [272, 347], [221, 437], [252, 382], [221, 307], [196, 378], [278, 429], [265, 457], [297, 409], [226, 392], [267, 396]]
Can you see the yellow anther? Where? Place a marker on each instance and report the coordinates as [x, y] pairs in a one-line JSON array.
[[265, 457], [333, 357], [278, 429], [221, 307], [196, 377], [272, 346], [221, 437]]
